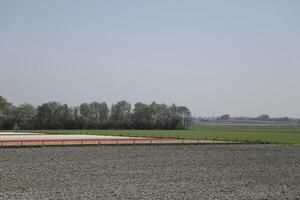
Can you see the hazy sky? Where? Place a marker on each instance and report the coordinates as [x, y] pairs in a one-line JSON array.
[[238, 57]]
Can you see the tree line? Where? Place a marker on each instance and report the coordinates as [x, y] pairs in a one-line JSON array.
[[95, 115]]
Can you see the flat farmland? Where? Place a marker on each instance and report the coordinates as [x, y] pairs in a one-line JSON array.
[[269, 134], [151, 172]]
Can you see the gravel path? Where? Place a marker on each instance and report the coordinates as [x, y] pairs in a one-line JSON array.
[[151, 172]]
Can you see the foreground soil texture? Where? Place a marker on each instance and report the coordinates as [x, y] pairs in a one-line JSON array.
[[151, 172]]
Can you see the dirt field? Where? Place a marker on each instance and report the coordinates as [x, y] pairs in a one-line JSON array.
[[151, 172]]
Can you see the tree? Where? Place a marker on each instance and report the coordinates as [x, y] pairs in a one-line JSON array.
[[120, 116], [174, 118], [24, 116], [7, 114], [99, 114], [85, 115], [185, 115], [78, 120], [94, 115], [264, 117], [67, 117], [159, 113], [143, 116], [51, 115], [224, 117]]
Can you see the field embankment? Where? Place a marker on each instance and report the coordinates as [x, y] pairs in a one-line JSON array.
[[259, 134]]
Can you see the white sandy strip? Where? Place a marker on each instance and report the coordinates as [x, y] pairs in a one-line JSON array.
[[31, 136], [16, 133]]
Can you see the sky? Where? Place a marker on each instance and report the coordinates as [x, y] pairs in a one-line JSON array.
[[238, 57]]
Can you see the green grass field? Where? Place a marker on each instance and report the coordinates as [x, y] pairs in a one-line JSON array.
[[268, 134]]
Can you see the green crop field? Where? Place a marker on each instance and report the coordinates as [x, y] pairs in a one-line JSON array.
[[268, 134]]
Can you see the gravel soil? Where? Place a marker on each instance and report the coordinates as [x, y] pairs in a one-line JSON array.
[[151, 172]]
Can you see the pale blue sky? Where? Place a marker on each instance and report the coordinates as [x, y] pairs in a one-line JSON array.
[[238, 57]]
